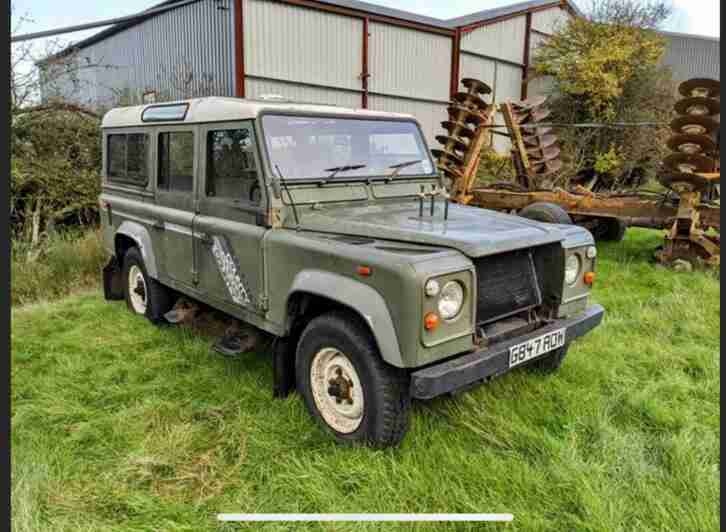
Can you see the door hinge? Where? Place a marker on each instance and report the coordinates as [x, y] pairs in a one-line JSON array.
[[263, 303], [195, 277]]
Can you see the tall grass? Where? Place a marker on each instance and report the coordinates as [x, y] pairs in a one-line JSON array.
[[119, 425], [64, 263]]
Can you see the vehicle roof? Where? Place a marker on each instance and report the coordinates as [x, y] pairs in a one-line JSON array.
[[223, 109]]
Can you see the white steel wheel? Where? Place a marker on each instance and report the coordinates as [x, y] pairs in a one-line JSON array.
[[337, 390], [138, 292]]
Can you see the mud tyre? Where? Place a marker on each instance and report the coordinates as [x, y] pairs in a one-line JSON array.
[[347, 387], [144, 296]]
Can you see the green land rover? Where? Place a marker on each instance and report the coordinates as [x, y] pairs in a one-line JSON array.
[[329, 229]]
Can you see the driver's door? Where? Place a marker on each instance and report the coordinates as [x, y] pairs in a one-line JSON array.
[[230, 222]]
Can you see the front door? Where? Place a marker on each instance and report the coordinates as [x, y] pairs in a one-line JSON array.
[[175, 186], [228, 227]]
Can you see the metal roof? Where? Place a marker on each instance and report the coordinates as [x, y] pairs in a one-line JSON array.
[[363, 7], [221, 109]]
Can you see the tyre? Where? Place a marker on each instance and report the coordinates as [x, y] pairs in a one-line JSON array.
[[546, 212], [144, 296], [550, 363], [613, 230], [346, 385]]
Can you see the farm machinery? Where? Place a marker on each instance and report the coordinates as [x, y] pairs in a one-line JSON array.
[[689, 210]]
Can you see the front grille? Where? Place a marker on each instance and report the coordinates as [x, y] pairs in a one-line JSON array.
[[507, 284]]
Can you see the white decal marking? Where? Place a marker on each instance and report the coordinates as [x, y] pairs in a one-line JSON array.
[[230, 272]]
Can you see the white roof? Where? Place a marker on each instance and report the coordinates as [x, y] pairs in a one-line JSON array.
[[219, 109]]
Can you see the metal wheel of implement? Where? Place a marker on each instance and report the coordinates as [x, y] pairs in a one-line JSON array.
[[137, 290], [337, 390]]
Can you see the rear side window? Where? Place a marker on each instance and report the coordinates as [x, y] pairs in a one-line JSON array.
[[231, 166], [127, 158], [176, 161]]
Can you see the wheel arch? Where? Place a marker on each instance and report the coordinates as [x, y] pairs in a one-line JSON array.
[[130, 234], [314, 292]]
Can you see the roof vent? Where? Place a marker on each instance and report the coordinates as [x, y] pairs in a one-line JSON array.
[[274, 98]]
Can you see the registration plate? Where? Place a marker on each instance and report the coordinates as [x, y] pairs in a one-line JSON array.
[[521, 353]]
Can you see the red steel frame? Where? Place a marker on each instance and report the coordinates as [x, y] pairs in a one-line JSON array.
[[366, 19]]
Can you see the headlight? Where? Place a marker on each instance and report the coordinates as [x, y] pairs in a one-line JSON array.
[[572, 269], [451, 300], [433, 288]]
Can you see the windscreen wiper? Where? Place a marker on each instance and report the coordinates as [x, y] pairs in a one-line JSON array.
[[338, 169], [400, 166]]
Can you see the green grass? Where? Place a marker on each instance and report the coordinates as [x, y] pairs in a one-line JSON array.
[[61, 265], [118, 425]]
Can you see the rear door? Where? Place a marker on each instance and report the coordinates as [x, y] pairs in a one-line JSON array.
[[175, 198], [230, 223]]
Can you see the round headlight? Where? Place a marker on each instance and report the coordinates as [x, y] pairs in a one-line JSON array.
[[432, 288], [591, 252], [572, 269], [451, 300]]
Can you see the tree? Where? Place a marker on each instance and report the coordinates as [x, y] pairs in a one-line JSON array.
[[606, 69]]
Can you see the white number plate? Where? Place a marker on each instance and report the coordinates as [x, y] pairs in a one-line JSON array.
[[521, 353]]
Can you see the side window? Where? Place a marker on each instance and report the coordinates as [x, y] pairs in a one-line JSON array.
[[176, 161], [231, 166], [127, 158]]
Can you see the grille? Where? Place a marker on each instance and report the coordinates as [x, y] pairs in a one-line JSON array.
[[507, 284]]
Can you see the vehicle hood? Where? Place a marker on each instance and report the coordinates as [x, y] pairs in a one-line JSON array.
[[473, 231]]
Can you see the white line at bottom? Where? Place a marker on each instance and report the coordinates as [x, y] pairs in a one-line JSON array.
[[366, 517]]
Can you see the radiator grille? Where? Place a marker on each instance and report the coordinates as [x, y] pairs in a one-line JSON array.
[[507, 284]]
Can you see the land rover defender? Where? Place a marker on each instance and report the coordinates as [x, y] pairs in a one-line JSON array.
[[331, 230]]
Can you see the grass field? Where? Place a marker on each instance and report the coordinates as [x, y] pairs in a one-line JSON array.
[[118, 425]]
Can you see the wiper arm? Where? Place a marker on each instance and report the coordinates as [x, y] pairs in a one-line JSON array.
[[400, 166], [338, 169]]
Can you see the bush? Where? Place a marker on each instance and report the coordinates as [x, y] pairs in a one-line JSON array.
[[62, 264]]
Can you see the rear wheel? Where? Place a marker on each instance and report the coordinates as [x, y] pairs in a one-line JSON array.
[[144, 296], [346, 385], [546, 212]]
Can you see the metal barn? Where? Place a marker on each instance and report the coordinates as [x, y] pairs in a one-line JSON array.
[[342, 52]]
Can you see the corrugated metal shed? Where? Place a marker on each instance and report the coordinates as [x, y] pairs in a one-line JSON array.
[[344, 52], [692, 56]]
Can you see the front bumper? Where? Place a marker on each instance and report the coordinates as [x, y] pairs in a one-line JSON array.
[[493, 361]]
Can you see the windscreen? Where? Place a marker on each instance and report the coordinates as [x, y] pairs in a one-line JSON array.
[[304, 147]]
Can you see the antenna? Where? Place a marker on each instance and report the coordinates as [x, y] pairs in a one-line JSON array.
[[283, 182]]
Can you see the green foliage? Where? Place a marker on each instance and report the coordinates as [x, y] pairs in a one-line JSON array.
[[62, 264], [55, 165], [606, 69], [495, 167], [119, 425]]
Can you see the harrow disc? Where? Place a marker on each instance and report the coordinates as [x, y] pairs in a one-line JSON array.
[[692, 144], [475, 86], [688, 163], [450, 172], [680, 181], [698, 106], [544, 154], [547, 168], [694, 125], [452, 142], [459, 113], [448, 157], [540, 141], [534, 130], [531, 103], [471, 100], [700, 87], [458, 129]]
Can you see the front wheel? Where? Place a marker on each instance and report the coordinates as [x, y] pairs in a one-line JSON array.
[[346, 385]]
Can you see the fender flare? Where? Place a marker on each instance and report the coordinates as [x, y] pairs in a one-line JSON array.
[[362, 299], [139, 234]]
